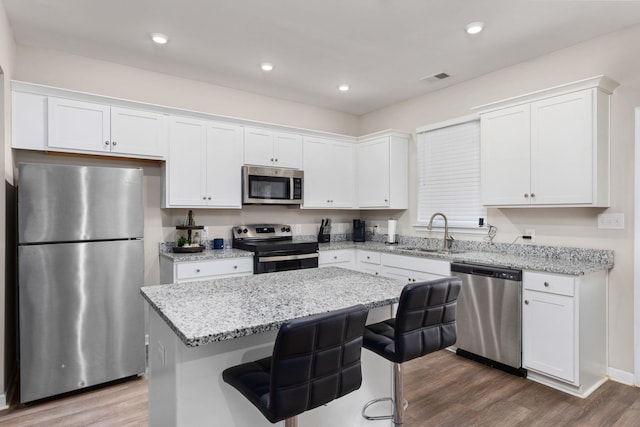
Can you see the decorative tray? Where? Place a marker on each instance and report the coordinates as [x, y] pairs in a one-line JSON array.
[[187, 250]]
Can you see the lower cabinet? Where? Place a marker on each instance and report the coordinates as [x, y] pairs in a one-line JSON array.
[[189, 271], [344, 258], [413, 269], [564, 330], [369, 262]]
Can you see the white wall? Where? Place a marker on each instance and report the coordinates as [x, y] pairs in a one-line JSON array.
[[616, 55], [7, 289]]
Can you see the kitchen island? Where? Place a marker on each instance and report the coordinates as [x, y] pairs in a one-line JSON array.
[[198, 329]]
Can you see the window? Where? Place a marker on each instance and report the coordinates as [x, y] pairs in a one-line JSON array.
[[449, 173]]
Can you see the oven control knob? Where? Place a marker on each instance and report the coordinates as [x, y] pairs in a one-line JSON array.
[[288, 229], [239, 230], [245, 231], [283, 229]]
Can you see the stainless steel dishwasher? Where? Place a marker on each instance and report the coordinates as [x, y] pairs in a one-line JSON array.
[[489, 315]]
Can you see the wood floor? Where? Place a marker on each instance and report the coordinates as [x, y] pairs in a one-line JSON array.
[[443, 390]]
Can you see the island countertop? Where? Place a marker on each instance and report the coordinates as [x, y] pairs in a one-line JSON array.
[[223, 309]]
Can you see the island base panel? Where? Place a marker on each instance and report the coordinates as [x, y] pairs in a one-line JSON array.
[[186, 386]]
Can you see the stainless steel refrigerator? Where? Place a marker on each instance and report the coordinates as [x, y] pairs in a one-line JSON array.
[[81, 266]]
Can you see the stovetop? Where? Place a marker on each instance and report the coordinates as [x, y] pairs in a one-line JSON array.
[[261, 238]]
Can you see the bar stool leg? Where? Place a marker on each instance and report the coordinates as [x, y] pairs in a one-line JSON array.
[[399, 404], [291, 422]]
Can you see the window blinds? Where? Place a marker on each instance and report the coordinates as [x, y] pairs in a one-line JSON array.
[[449, 175]]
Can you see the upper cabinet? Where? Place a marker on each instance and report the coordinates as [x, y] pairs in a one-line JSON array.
[[549, 148], [382, 172], [69, 125], [204, 164], [265, 147], [328, 173]]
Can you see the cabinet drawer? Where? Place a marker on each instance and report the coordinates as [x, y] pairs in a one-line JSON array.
[[369, 257], [425, 265], [335, 257], [550, 283], [205, 269]]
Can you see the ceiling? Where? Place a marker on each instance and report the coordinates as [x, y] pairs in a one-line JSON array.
[[381, 48]]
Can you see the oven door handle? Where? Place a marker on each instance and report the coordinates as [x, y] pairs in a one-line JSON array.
[[287, 257]]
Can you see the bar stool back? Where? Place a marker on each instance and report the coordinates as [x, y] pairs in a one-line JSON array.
[[315, 360], [425, 322]]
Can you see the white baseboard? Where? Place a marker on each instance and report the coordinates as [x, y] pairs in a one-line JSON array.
[[621, 376]]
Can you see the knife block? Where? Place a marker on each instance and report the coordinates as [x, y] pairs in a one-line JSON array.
[[324, 235]]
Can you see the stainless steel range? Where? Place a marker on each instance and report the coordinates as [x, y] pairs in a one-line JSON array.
[[274, 248]]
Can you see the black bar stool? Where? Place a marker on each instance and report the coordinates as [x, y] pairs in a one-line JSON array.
[[315, 360], [425, 322]]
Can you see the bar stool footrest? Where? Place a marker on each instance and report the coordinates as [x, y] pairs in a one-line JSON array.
[[405, 404]]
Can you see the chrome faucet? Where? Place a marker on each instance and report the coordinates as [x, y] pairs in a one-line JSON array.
[[447, 238]]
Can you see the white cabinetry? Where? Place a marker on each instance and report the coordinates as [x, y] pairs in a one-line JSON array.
[[549, 148], [204, 165], [369, 262], [413, 269], [265, 147], [382, 172], [328, 173], [189, 271], [29, 121], [337, 258], [80, 126], [564, 330]]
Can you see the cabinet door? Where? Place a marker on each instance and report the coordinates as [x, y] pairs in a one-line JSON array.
[[562, 149], [223, 169], [187, 162], [287, 150], [328, 173], [504, 156], [77, 125], [29, 121], [258, 147], [373, 174], [137, 132], [548, 334]]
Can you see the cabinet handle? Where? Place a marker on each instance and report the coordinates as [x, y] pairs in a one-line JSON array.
[[272, 159], [114, 143], [331, 200], [276, 160], [533, 195], [546, 284], [377, 273], [368, 257], [197, 270], [106, 143], [209, 198], [526, 195], [526, 302], [386, 200], [235, 267], [204, 197], [335, 257]]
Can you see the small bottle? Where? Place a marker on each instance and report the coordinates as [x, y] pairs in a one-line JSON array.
[[196, 238]]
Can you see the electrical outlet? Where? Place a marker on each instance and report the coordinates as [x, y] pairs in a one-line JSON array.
[[340, 228], [611, 221], [529, 235], [298, 228]]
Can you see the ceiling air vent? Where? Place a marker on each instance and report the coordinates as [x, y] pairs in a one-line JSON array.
[[435, 77]]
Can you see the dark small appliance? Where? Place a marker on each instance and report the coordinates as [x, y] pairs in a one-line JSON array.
[[358, 230]]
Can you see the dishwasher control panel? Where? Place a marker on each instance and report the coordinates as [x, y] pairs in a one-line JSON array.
[[498, 272]]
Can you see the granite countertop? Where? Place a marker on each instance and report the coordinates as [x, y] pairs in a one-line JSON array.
[[224, 309], [576, 262], [571, 261], [209, 254]]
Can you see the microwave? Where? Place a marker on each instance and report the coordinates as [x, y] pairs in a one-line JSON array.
[[272, 186]]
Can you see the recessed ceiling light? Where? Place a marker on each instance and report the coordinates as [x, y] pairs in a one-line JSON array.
[[159, 38], [266, 66], [343, 87], [474, 27]]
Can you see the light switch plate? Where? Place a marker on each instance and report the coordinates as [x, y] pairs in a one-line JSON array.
[[611, 221]]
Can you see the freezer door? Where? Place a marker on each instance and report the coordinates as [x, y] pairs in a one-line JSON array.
[[81, 315], [61, 203]]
